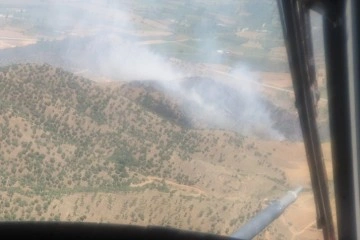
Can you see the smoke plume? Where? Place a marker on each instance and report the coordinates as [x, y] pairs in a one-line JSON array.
[[104, 38]]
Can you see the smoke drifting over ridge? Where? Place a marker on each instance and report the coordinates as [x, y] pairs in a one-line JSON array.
[[105, 40]]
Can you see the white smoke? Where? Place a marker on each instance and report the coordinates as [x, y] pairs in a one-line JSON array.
[[115, 51], [234, 103]]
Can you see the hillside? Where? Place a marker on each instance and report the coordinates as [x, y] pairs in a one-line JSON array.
[[228, 103], [76, 150]]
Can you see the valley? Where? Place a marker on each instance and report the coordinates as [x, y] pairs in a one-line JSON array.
[[140, 119]]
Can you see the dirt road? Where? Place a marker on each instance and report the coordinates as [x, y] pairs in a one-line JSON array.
[[151, 179]]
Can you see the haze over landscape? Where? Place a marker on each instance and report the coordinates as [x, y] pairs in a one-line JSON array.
[[173, 113]]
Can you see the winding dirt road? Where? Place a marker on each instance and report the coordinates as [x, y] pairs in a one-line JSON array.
[[152, 179]]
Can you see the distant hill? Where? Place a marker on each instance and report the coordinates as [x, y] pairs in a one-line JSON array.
[[73, 149]]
